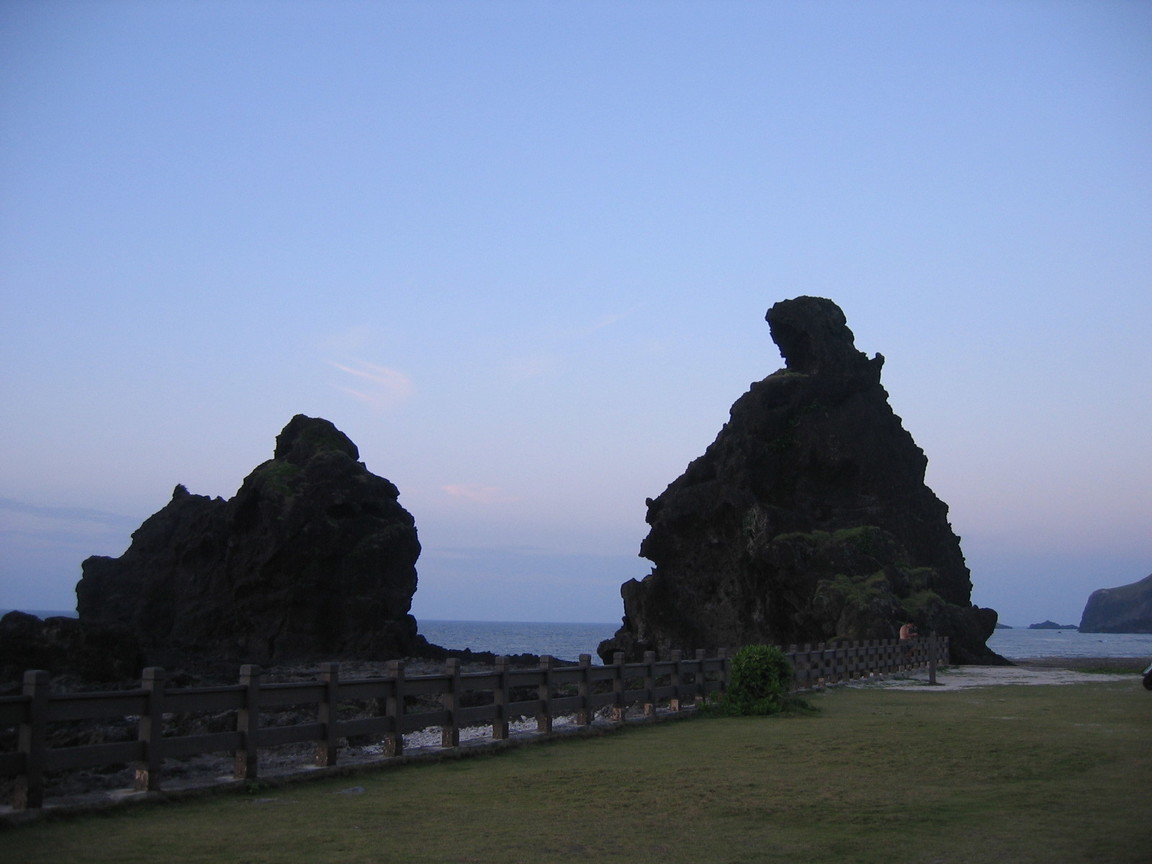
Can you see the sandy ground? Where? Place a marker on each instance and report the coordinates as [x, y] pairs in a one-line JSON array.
[[1041, 670]]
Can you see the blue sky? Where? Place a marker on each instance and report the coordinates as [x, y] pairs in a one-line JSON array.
[[520, 252]]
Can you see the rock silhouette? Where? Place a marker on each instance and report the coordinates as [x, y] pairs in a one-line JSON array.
[[806, 520], [313, 557]]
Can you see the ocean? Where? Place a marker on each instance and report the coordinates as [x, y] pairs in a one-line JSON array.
[[568, 641], [562, 641], [1018, 643]]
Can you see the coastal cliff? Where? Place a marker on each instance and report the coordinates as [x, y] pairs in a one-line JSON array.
[[1126, 609]]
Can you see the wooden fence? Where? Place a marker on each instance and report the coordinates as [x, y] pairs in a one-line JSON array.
[[395, 704]]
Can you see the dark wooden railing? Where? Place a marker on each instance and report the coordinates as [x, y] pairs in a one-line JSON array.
[[388, 707]]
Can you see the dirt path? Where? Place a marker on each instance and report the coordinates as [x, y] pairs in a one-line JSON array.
[[1038, 670]]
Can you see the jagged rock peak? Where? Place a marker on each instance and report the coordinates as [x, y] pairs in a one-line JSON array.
[[806, 520], [304, 437], [813, 336]]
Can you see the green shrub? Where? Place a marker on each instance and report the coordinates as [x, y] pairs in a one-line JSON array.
[[760, 681]]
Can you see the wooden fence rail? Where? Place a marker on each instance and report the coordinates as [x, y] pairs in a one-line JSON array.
[[390, 706]]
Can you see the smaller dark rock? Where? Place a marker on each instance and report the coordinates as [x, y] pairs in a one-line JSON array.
[[314, 557], [1051, 625], [65, 646]]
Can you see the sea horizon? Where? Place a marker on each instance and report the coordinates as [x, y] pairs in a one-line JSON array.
[[567, 640]]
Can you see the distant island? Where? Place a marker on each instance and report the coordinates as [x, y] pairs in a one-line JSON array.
[[1052, 625]]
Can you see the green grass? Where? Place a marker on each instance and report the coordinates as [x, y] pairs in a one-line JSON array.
[[1017, 774]]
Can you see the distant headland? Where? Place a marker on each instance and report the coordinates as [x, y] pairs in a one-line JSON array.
[[1126, 609]]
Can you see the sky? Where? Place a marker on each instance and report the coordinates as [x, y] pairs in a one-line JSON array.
[[521, 253]]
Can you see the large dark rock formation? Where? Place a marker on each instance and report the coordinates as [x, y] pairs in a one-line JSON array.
[[314, 556], [806, 520], [1127, 609]]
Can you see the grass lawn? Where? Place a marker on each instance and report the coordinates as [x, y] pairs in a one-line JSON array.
[[999, 774]]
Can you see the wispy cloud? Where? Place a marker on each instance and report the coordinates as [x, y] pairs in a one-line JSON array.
[[478, 494], [63, 514], [531, 366], [353, 340], [608, 320], [377, 386], [63, 528], [547, 362]]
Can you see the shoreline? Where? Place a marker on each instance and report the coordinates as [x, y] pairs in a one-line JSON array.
[[1119, 665]]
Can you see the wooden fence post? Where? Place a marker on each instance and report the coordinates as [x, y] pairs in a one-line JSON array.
[[33, 742], [150, 731], [649, 683], [793, 655], [699, 680], [584, 690], [932, 658], [245, 762], [450, 731], [618, 687], [500, 700], [394, 743], [327, 714], [677, 660], [544, 694]]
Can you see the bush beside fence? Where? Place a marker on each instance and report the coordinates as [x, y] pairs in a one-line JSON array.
[[389, 706]]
